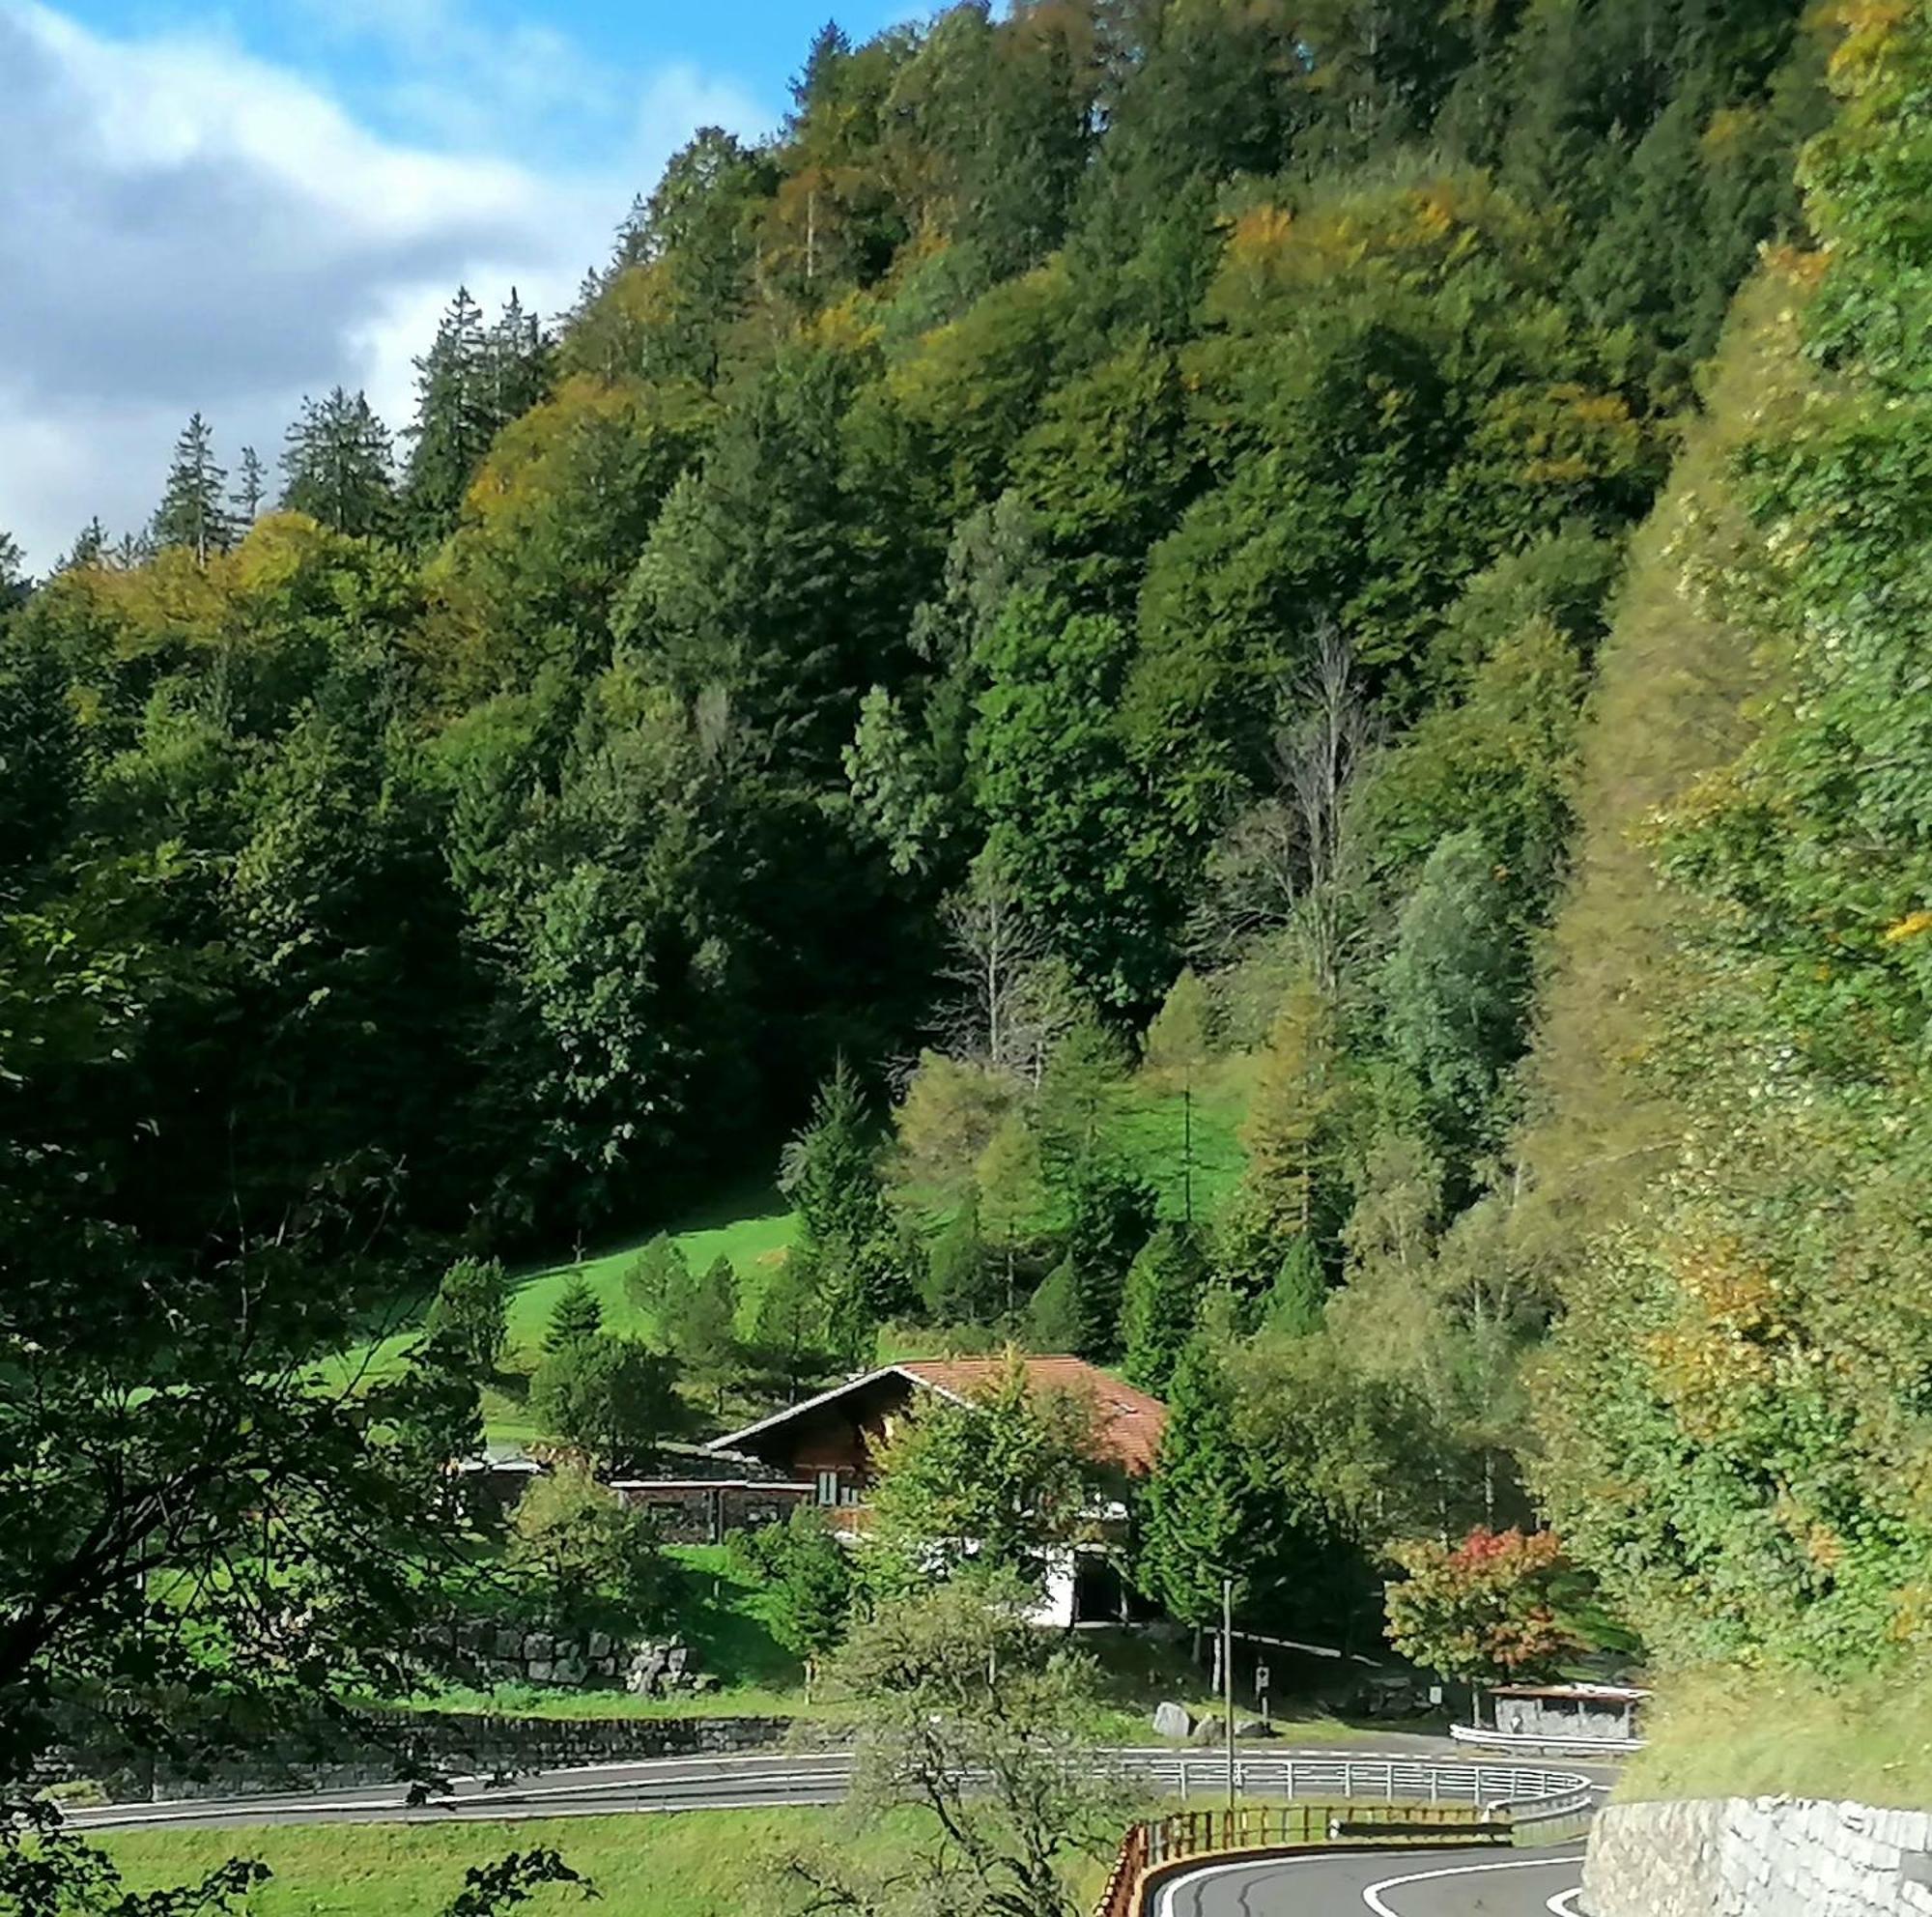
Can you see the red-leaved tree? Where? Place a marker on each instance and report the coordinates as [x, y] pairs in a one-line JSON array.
[[1483, 1610]]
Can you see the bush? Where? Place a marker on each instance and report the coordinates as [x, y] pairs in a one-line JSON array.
[[611, 1398], [581, 1561], [468, 1325]]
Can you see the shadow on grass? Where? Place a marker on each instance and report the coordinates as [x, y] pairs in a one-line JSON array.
[[721, 1616]]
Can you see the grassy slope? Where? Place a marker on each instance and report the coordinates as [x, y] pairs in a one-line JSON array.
[[707, 1864], [1732, 1733], [1188, 1149], [726, 1621]]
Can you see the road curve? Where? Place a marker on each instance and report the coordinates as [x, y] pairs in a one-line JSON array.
[[1383, 1883]]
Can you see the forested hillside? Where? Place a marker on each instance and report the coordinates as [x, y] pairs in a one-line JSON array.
[[1099, 568]]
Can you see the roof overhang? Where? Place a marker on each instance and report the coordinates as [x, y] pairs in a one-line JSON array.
[[732, 1439]]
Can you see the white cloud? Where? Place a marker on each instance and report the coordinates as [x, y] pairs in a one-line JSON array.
[[193, 229]]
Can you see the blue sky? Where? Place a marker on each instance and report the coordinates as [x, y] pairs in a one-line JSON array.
[[221, 208]]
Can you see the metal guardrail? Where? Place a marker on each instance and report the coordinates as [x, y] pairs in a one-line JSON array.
[[1519, 1788], [1342, 1802]]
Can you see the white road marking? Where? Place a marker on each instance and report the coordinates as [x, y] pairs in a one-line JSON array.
[[1163, 1904], [1372, 1896], [1164, 1898], [1564, 1902]]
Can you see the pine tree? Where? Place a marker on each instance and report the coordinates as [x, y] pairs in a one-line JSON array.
[[453, 422], [251, 488], [193, 513], [12, 570], [577, 1315], [337, 466], [1163, 1298]]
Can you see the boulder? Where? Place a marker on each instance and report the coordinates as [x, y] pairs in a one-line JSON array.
[[539, 1669], [1173, 1720], [1210, 1734], [600, 1646], [1253, 1727], [568, 1671]]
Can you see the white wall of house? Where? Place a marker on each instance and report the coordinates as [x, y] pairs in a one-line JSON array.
[[1055, 1610]]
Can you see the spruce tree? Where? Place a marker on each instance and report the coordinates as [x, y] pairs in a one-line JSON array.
[[704, 1333], [1198, 1514], [1163, 1299], [827, 1171], [453, 420], [1053, 1317], [12, 570], [658, 1281], [577, 1314], [337, 466], [515, 364], [193, 513], [790, 1331], [89, 548], [1294, 1303], [1110, 1216], [963, 1284], [251, 488]]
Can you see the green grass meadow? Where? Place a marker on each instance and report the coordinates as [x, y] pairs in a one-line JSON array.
[[1186, 1145], [692, 1864]]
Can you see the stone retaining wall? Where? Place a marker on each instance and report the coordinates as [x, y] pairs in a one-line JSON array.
[[397, 1744], [513, 1654], [1758, 1857]]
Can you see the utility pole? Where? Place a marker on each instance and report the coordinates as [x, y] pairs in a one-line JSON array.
[[1228, 1679]]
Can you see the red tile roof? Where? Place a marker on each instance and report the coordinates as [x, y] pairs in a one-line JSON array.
[[1127, 1423]]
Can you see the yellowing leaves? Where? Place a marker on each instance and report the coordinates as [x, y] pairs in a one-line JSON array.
[[1912, 926], [1868, 27]]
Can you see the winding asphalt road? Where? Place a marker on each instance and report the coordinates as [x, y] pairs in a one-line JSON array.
[[707, 1783], [1415, 1883], [1408, 1884]]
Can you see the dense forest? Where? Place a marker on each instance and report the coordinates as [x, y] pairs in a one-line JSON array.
[[1366, 551]]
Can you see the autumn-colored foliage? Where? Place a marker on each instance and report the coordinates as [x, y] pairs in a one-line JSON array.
[[1483, 1609]]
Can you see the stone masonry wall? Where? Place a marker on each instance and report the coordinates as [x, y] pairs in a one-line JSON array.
[[394, 1743], [1758, 1857]]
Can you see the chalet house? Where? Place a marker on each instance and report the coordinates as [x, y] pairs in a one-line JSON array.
[[821, 1452]]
